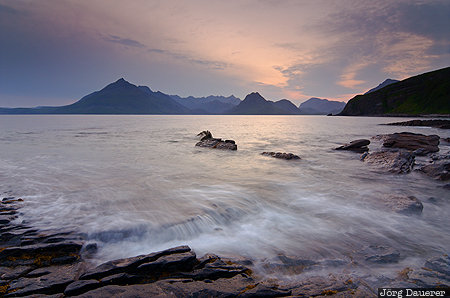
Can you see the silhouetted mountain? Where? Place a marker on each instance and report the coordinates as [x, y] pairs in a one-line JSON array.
[[255, 104], [120, 97], [318, 106], [382, 85], [209, 105], [427, 93]]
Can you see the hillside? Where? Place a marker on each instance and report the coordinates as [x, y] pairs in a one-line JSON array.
[[428, 93], [382, 85]]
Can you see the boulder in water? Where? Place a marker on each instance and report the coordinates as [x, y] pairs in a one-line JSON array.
[[356, 145], [419, 143], [207, 140], [281, 155]]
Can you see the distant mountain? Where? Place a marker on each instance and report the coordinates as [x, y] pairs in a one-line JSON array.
[[208, 105], [120, 97], [255, 104], [318, 106], [428, 93], [382, 85]]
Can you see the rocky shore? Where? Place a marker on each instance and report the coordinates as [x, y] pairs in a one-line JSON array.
[[57, 264]]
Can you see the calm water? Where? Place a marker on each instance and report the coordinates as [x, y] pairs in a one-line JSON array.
[[136, 184]]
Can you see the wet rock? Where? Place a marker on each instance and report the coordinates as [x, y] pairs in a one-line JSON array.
[[39, 254], [434, 273], [439, 123], [8, 273], [439, 264], [130, 264], [380, 254], [398, 162], [356, 145], [437, 170], [51, 283], [420, 143], [169, 264], [208, 141], [81, 286], [265, 291], [281, 155], [403, 204], [324, 286]]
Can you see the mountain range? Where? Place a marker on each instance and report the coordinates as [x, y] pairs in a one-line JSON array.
[[428, 93], [122, 97]]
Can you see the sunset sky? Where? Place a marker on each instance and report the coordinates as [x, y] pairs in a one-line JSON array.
[[55, 52]]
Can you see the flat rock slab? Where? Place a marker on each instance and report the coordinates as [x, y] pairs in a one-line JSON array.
[[398, 162], [419, 143], [281, 155], [438, 123], [359, 146]]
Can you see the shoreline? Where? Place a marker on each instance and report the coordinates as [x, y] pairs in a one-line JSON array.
[[33, 262]]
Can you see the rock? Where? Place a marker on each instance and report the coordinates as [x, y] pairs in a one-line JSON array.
[[413, 142], [324, 286], [40, 254], [130, 264], [168, 264], [403, 204], [380, 254], [81, 286], [281, 155], [437, 170], [441, 123], [265, 291], [398, 162], [51, 283], [439, 264], [208, 141], [356, 145]]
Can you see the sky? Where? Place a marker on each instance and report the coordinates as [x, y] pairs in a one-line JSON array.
[[53, 52]]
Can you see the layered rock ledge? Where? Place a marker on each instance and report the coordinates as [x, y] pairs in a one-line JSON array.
[[438, 123]]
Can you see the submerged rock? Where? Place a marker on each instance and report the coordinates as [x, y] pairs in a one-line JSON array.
[[281, 155], [403, 204], [356, 145], [398, 162], [419, 143], [437, 170], [207, 140]]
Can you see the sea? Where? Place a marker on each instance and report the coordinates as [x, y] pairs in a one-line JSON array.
[[138, 184]]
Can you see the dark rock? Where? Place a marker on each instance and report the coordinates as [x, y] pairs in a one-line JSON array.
[[439, 264], [129, 264], [120, 279], [440, 123], [398, 162], [208, 141], [8, 273], [324, 286], [403, 204], [51, 283], [39, 254], [356, 145], [81, 286], [265, 291], [412, 142], [380, 254], [281, 155], [437, 170], [168, 264]]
